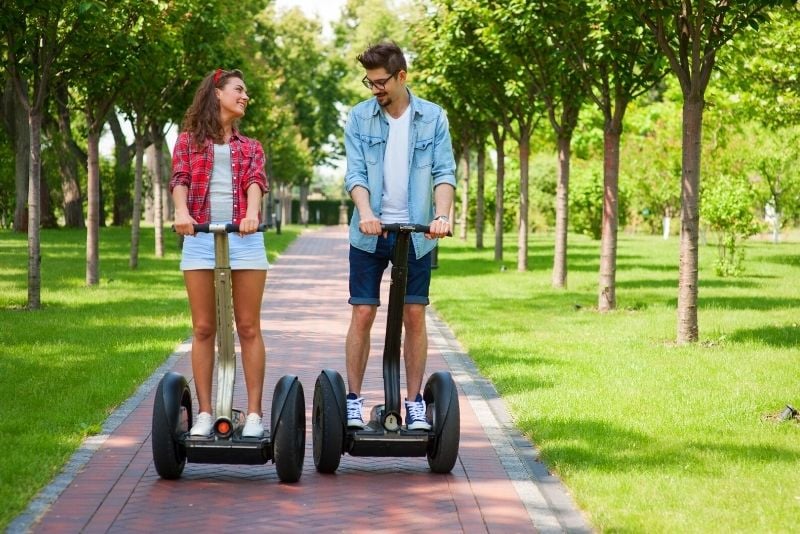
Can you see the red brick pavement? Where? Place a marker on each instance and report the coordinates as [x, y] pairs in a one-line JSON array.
[[304, 319]]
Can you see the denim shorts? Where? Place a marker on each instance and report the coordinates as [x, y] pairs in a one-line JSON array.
[[366, 271], [246, 252]]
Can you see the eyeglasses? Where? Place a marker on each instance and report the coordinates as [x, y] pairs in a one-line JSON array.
[[380, 84]]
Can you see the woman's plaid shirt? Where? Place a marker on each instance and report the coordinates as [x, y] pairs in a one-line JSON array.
[[192, 167]]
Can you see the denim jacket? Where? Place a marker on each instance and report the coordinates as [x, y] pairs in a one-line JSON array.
[[430, 157]]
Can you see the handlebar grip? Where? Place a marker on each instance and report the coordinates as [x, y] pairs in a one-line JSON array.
[[409, 228], [214, 228]]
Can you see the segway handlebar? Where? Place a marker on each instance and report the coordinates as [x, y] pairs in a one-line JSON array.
[[219, 228], [410, 228]]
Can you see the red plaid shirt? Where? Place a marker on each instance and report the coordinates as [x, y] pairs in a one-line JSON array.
[[192, 167]]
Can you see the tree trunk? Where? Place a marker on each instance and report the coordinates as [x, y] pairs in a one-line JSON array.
[[22, 161], [47, 216], [608, 246], [562, 214], [136, 218], [158, 206], [166, 173], [464, 217], [499, 143], [522, 238], [68, 163], [481, 163], [304, 204], [690, 217], [34, 182], [122, 169], [93, 205]]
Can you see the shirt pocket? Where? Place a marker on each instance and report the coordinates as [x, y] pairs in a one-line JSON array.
[[423, 153], [373, 149]]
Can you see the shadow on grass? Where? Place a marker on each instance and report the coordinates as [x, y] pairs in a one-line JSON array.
[[673, 283], [597, 445], [782, 259], [777, 336], [747, 303]]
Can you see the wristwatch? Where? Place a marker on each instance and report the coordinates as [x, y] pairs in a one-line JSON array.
[[444, 218]]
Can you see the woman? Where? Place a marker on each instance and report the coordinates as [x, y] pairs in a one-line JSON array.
[[218, 176]]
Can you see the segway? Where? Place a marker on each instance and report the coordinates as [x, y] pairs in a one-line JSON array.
[[385, 435], [284, 444]]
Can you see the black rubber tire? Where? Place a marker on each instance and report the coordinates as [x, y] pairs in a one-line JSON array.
[[441, 395], [289, 446], [169, 454], [327, 430]]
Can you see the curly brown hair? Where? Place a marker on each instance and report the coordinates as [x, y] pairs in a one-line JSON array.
[[202, 119]]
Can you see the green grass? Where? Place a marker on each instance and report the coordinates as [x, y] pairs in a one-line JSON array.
[[647, 435], [64, 368]]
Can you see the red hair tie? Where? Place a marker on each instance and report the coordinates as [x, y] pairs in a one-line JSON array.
[[217, 76]]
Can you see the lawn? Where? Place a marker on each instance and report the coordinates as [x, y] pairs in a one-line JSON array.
[[64, 368], [647, 435]]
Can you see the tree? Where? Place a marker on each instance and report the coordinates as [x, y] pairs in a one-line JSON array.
[[690, 33], [728, 208], [452, 65], [308, 80], [522, 96], [537, 32], [760, 71], [36, 32], [97, 61], [15, 120], [606, 45]]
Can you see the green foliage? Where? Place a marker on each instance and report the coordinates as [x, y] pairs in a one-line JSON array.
[[727, 207], [761, 67], [586, 202], [650, 158]]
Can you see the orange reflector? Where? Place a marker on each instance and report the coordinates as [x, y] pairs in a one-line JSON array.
[[223, 427]]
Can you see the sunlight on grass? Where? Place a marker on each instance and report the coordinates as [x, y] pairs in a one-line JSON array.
[[649, 436]]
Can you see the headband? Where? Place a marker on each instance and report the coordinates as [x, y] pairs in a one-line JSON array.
[[217, 76]]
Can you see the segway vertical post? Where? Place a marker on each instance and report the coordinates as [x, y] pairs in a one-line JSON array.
[[227, 358], [391, 419]]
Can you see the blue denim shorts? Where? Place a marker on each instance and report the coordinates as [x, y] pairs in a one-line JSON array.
[[366, 271], [247, 252]]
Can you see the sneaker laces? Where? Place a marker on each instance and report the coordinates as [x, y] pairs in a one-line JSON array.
[[354, 408], [416, 410]]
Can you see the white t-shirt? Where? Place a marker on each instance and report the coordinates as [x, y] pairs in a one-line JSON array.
[[394, 205], [221, 185]]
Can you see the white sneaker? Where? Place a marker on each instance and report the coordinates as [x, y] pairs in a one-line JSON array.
[[203, 425], [354, 417], [252, 427]]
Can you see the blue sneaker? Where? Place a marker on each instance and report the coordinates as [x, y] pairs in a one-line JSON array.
[[416, 418], [354, 404]]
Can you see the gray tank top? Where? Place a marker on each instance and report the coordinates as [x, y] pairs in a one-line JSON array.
[[221, 185]]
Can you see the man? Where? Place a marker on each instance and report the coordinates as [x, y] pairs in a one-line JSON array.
[[400, 169]]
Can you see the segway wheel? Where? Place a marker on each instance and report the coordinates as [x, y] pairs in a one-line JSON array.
[[327, 426], [290, 436], [172, 412], [441, 396]]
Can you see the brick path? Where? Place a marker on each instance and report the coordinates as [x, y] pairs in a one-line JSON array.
[[110, 484]]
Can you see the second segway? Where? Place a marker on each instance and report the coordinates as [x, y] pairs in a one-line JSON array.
[[385, 435], [284, 444]]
